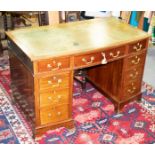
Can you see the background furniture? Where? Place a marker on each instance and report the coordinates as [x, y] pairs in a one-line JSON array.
[[125, 16], [10, 20], [18, 17], [69, 16]]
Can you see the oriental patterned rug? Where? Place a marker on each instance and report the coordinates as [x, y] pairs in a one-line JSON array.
[[95, 119]]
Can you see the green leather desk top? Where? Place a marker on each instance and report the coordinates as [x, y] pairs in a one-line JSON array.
[[74, 38]]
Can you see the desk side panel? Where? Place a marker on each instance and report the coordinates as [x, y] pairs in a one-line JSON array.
[[22, 86], [13, 48]]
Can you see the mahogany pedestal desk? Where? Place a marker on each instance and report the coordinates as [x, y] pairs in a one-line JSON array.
[[43, 60]]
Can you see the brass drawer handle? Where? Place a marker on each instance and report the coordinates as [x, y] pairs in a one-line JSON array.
[[49, 82], [50, 98], [59, 64], [132, 90], [135, 62], [88, 62], [49, 66], [58, 99], [115, 56], [132, 75], [59, 113], [138, 47], [58, 82], [54, 77], [49, 115], [104, 60]]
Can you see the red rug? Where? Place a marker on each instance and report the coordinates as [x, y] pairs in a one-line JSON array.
[[94, 116]]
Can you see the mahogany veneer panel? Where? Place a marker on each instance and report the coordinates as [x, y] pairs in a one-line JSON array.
[[108, 77]]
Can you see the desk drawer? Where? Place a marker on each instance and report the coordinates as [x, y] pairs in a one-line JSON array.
[[131, 89], [87, 59], [134, 73], [138, 46], [58, 81], [99, 57], [136, 60], [53, 64], [115, 53], [54, 97], [51, 114]]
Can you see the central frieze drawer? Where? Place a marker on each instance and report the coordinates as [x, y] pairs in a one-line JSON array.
[[54, 82], [54, 97], [51, 114], [54, 64], [99, 57]]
